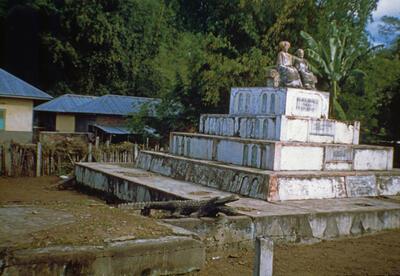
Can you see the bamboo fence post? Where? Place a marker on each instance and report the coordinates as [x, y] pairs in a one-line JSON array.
[[97, 142], [135, 151], [38, 158], [90, 152]]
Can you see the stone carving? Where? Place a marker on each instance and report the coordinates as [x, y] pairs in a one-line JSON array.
[[289, 76], [291, 71], [307, 77], [272, 77]]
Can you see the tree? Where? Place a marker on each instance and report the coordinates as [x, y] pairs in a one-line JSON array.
[[98, 47], [335, 59]]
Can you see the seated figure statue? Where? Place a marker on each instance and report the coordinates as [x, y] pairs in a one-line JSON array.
[[289, 76], [307, 77]]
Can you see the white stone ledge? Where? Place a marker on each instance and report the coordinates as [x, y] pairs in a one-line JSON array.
[[272, 185], [281, 156], [278, 101], [281, 128]]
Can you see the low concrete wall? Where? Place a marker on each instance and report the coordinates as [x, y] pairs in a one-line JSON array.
[[281, 128], [164, 256], [285, 156], [289, 228]]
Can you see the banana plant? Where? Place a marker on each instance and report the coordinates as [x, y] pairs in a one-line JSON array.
[[335, 60]]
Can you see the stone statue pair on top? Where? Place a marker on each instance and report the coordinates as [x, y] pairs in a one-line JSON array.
[[291, 71]]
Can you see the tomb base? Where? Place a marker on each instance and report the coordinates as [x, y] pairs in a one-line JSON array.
[[278, 155], [271, 185]]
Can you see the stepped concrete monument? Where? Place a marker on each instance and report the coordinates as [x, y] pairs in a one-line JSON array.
[[277, 143], [292, 172]]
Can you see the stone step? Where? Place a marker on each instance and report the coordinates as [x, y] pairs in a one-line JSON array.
[[270, 185], [296, 220], [278, 101], [281, 128], [277, 155]]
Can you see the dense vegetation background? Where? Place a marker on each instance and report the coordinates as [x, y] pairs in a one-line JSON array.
[[191, 52]]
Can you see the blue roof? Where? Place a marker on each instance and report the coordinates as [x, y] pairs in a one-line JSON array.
[[123, 130], [107, 104], [65, 103], [11, 86], [113, 129], [115, 105]]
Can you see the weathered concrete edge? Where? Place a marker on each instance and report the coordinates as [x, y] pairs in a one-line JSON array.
[[166, 255], [275, 142], [142, 192], [270, 185], [305, 174], [308, 228]]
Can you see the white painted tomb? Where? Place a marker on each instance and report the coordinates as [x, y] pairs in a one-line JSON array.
[[278, 144]]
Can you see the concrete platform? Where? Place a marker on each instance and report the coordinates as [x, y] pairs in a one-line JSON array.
[[301, 220], [271, 185], [281, 156]]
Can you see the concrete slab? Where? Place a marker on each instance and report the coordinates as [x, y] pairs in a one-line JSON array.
[[151, 183], [18, 221], [40, 239], [163, 256]]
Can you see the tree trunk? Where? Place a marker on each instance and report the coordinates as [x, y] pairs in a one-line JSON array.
[[333, 97]]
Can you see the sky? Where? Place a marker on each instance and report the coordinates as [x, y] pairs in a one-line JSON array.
[[385, 7]]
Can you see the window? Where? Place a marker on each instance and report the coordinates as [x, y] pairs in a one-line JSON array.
[[2, 119]]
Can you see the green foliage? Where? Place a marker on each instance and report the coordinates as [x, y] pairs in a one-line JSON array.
[[102, 46], [153, 119], [374, 97], [190, 53], [334, 59]]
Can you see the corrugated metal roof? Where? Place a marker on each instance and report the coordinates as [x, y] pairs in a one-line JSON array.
[[11, 86], [123, 130], [67, 103], [113, 129], [115, 105]]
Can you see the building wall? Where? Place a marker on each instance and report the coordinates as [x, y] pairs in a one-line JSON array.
[[65, 122], [22, 137], [18, 114], [110, 120], [84, 120]]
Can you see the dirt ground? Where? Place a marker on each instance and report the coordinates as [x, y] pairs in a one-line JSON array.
[[67, 217], [83, 219], [377, 254]]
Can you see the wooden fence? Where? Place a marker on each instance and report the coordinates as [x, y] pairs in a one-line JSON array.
[[57, 159]]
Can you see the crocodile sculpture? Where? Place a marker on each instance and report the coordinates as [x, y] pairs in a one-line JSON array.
[[181, 208]]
